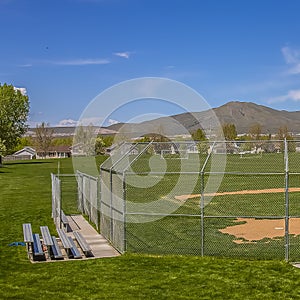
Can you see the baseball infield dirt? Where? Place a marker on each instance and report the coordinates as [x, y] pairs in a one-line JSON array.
[[253, 230], [242, 192]]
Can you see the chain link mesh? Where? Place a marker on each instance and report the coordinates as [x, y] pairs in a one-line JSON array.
[[232, 199]]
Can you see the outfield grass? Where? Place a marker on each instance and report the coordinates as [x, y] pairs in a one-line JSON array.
[[183, 235], [26, 197]]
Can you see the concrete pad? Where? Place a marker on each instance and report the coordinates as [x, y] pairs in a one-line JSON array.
[[100, 246]]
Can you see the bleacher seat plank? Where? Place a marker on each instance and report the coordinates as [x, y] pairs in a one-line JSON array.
[[85, 247], [64, 239], [74, 250], [47, 240], [27, 231], [38, 253], [55, 250]]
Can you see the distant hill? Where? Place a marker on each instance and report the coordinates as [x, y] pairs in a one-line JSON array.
[[242, 114], [245, 114], [70, 131]]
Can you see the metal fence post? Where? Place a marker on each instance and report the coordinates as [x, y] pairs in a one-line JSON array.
[[98, 205], [90, 199], [202, 212], [124, 213], [286, 157], [111, 206]]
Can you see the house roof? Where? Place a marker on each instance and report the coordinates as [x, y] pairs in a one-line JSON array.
[[60, 148], [26, 149]]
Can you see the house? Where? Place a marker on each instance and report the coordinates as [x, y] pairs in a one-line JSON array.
[[78, 149], [55, 152], [25, 153]]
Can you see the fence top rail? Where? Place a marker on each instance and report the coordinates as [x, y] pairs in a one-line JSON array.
[[209, 173], [112, 171], [78, 173], [215, 141], [139, 155], [65, 175], [245, 173], [281, 217]]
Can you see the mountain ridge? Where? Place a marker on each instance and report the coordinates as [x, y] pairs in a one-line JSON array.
[[242, 114]]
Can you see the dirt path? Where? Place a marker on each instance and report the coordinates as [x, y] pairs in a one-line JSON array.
[[254, 229], [242, 192]]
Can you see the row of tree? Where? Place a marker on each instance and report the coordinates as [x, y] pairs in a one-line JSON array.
[[44, 140], [255, 133], [14, 112]]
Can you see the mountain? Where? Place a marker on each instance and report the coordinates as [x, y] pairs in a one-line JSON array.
[[246, 114], [242, 114], [70, 131]]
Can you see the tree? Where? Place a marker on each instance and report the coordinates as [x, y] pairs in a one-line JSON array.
[[62, 141], [99, 146], [255, 131], [103, 142], [229, 131], [199, 135], [283, 133], [23, 142], [2, 150], [14, 110], [85, 139], [44, 137]]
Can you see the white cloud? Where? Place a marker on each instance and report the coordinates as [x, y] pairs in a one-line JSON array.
[[290, 55], [67, 122], [25, 65], [71, 62], [169, 67], [292, 58], [293, 95], [112, 122], [81, 62], [125, 54]]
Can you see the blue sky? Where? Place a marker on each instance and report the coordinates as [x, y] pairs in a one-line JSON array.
[[65, 52]]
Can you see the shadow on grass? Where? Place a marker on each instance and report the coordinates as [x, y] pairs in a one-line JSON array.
[[26, 163], [3, 169]]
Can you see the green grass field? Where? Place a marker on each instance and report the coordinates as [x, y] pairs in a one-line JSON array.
[[26, 197], [183, 235]]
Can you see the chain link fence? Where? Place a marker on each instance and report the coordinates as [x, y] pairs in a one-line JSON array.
[[229, 199], [88, 196], [74, 194]]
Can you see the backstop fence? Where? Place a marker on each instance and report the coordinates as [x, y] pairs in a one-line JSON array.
[[230, 199], [75, 194]]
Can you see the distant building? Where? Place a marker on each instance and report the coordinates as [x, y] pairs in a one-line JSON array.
[[28, 153], [78, 149], [23, 154], [55, 152]]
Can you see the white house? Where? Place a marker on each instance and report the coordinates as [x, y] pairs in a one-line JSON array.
[[25, 153]]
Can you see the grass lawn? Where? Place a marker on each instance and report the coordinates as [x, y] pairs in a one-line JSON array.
[[25, 196], [182, 235]]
